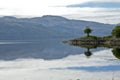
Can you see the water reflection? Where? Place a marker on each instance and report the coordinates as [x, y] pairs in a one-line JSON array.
[[115, 48], [65, 62], [88, 53], [46, 49], [116, 52]]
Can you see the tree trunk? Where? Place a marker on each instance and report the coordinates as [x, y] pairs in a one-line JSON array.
[[88, 35]]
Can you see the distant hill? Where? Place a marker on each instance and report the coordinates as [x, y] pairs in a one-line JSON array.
[[12, 28]]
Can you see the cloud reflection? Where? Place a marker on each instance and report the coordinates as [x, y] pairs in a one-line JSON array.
[[72, 67]]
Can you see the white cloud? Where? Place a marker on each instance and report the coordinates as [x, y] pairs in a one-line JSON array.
[[103, 15], [33, 8], [36, 3]]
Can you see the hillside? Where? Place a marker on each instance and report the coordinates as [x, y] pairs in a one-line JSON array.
[[12, 28]]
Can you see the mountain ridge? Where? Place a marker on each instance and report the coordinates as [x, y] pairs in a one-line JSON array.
[[12, 28]]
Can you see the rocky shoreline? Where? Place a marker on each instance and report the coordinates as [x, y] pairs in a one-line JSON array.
[[92, 42]]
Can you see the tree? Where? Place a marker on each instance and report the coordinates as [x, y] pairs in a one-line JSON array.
[[87, 30], [116, 32], [116, 52]]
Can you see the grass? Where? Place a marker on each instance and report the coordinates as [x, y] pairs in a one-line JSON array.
[[93, 41]]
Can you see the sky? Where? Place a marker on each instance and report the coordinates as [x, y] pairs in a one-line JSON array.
[[105, 11]]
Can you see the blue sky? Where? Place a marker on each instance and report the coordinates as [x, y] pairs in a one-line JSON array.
[[97, 5], [105, 11]]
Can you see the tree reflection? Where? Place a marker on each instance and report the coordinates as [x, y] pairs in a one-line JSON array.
[[88, 53], [91, 44], [116, 52]]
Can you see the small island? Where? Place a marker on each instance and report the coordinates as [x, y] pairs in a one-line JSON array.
[[90, 41]]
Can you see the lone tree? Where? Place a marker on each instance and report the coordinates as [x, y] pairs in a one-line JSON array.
[[116, 32], [87, 30]]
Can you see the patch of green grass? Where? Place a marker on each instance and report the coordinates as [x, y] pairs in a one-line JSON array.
[[85, 37]]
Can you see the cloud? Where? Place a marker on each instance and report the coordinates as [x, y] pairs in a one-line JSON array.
[[76, 9], [98, 5], [103, 15], [95, 10]]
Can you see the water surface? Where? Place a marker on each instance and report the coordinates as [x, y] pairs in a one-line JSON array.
[[53, 60]]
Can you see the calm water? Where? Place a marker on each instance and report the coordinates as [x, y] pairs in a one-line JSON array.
[[39, 49], [53, 60]]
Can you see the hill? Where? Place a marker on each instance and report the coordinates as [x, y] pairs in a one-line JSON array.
[[12, 28]]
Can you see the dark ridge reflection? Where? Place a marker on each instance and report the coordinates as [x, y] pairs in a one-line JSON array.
[[42, 49]]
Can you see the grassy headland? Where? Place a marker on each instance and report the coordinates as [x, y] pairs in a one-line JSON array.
[[89, 41]]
